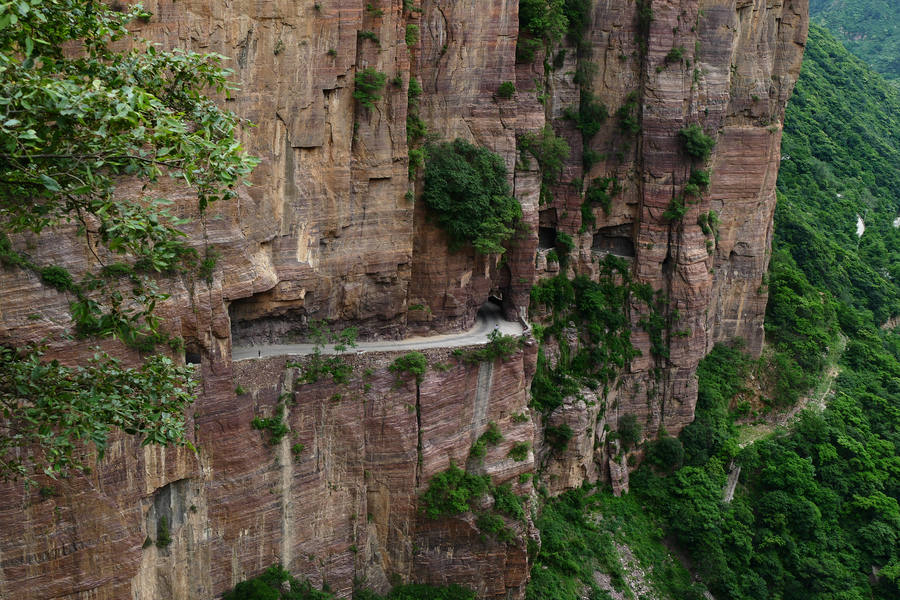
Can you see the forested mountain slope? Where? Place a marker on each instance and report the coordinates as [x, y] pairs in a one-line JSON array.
[[841, 161], [815, 512], [869, 28]]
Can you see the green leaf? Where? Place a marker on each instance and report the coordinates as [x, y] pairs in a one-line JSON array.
[[50, 183]]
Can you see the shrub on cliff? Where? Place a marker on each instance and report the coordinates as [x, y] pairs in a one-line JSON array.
[[551, 152], [369, 83], [589, 117], [498, 346], [506, 90], [276, 583], [78, 113], [413, 363], [418, 591], [695, 142], [545, 19], [451, 492], [468, 195]]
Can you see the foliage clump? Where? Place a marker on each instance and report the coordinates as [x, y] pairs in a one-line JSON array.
[[318, 365], [519, 451], [629, 430], [499, 346], [600, 311], [413, 363], [78, 115], [412, 34], [666, 452], [558, 436], [628, 113], [675, 55], [54, 409], [542, 23], [589, 117], [695, 141], [601, 191], [551, 152], [506, 90], [491, 437], [276, 583], [576, 545], [543, 19], [452, 492], [275, 425], [369, 83], [57, 277], [369, 35], [494, 526], [467, 193], [163, 535]]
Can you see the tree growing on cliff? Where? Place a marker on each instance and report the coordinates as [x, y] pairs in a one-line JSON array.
[[77, 113], [468, 195]]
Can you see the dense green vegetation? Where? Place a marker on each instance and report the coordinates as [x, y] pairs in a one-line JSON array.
[[815, 514], [455, 491], [868, 28], [549, 20], [840, 155], [276, 583], [413, 363], [551, 152], [600, 311], [506, 90], [369, 83], [468, 195], [62, 407], [498, 346], [695, 142], [78, 113], [318, 365], [580, 531]]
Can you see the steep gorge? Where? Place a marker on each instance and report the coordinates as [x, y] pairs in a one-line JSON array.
[[327, 232]]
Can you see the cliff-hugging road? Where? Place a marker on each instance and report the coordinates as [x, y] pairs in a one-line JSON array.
[[489, 317]]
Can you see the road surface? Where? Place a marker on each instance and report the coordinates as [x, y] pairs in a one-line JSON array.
[[488, 318]]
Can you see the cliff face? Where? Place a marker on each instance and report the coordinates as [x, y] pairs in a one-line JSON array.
[[336, 500], [729, 66], [326, 231]]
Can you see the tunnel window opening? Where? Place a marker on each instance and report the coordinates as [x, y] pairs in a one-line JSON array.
[[192, 354], [614, 240], [668, 265], [546, 238], [263, 319]]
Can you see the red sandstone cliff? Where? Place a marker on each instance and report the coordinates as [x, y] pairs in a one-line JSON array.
[[326, 232]]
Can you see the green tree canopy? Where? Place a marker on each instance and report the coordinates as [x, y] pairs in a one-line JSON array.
[[467, 191], [76, 115]]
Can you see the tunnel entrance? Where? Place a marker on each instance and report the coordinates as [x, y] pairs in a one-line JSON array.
[[546, 238], [616, 240], [261, 319], [193, 354]]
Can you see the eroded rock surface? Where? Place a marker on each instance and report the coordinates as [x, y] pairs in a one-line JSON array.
[[327, 231]]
